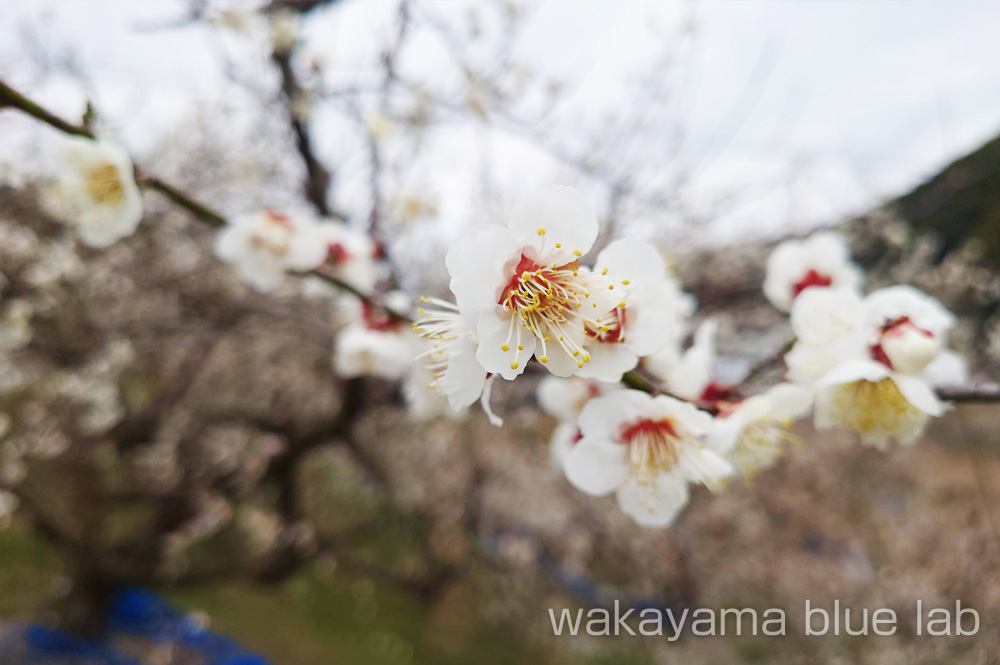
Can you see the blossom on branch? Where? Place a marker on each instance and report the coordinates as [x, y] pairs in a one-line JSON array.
[[564, 399], [350, 256], [446, 366], [616, 341], [874, 362], [522, 289], [645, 449], [96, 191], [264, 246], [375, 343], [822, 260], [754, 431]]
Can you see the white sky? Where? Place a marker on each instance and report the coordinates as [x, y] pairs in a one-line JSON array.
[[821, 108]]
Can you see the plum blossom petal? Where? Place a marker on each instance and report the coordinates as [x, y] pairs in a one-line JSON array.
[[634, 260], [608, 362], [948, 368], [603, 418], [480, 263], [497, 331], [919, 394], [854, 370], [595, 467], [795, 267], [654, 505], [553, 215], [903, 300], [464, 378]]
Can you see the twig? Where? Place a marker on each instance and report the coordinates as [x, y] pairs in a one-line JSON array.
[[982, 392], [767, 362], [12, 98]]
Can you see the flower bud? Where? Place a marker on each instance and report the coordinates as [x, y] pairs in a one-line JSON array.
[[908, 348]]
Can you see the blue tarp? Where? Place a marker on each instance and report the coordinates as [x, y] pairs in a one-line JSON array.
[[135, 613]]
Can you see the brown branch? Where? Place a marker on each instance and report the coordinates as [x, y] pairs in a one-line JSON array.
[[318, 178], [10, 97], [981, 392]]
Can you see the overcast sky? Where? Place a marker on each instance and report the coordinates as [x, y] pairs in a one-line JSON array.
[[840, 103]]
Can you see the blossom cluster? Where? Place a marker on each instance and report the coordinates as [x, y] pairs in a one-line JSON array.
[[641, 414]]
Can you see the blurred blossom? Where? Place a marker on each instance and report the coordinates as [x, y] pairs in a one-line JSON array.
[[96, 192], [823, 260], [375, 343], [874, 362], [688, 374], [264, 246], [753, 433], [350, 256]]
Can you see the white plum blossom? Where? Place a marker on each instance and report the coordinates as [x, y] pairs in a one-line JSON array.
[[617, 340], [447, 361], [96, 191], [522, 289], [874, 362], [753, 432], [376, 343], [645, 449], [264, 246], [689, 375], [822, 260], [564, 399]]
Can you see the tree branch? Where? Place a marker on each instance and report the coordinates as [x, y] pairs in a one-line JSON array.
[[12, 98]]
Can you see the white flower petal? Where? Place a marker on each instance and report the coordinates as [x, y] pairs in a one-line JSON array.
[[596, 468], [789, 401], [464, 378], [608, 361], [494, 332], [948, 368], [602, 418], [694, 372], [903, 300], [634, 260], [651, 321], [480, 264], [692, 420], [704, 465], [654, 505], [567, 217], [919, 394], [854, 370]]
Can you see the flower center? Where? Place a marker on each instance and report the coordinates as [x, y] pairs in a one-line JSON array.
[[904, 347], [337, 253], [273, 236], [608, 329], [103, 184], [548, 302], [811, 278], [653, 446], [759, 445], [874, 407]]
